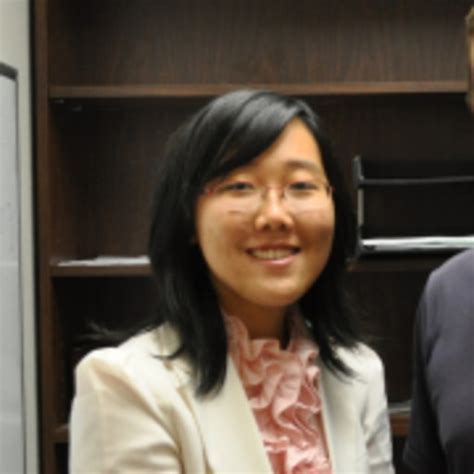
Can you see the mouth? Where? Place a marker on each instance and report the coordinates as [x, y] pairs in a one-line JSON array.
[[273, 253]]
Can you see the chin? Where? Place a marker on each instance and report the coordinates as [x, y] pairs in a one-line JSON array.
[[278, 299]]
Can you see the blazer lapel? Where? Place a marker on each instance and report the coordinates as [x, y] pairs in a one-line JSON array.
[[231, 437], [342, 428]]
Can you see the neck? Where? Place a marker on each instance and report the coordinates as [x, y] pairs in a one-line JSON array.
[[261, 322]]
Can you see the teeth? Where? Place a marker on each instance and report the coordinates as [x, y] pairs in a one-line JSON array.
[[271, 254]]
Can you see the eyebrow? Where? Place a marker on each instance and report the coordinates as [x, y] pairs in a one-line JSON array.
[[296, 163]]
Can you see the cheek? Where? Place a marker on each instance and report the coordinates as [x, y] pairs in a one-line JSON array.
[[322, 226], [208, 238], [217, 236], [331, 223], [319, 237]]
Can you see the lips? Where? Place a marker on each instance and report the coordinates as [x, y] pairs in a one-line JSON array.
[[273, 253]]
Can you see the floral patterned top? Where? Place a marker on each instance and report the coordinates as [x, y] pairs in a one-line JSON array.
[[282, 388]]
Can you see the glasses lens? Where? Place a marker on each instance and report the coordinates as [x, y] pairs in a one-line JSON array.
[[307, 196], [294, 199]]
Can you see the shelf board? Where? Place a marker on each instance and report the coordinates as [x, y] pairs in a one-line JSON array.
[[102, 267], [399, 423], [397, 263], [128, 267], [59, 92], [61, 434]]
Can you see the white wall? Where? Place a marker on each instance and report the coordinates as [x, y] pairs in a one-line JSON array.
[[15, 52], [11, 388]]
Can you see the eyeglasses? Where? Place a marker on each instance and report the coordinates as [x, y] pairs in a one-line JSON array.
[[246, 197]]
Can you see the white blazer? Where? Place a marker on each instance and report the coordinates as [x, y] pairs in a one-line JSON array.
[[136, 413]]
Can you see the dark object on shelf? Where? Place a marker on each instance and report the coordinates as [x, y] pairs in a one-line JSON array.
[[470, 57], [416, 206]]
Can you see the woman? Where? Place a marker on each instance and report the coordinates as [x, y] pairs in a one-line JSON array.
[[253, 363]]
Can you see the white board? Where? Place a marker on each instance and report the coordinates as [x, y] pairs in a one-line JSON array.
[[11, 390]]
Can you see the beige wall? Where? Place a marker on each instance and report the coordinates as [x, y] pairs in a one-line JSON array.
[[15, 52]]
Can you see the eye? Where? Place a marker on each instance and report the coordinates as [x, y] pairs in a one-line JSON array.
[[305, 186], [239, 187]]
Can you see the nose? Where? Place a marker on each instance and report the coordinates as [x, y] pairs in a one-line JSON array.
[[272, 213]]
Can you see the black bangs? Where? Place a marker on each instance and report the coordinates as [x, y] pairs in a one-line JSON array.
[[256, 129], [247, 123]]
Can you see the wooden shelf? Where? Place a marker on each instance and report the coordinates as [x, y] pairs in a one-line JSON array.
[[102, 267], [397, 263], [61, 434], [400, 423], [127, 268], [183, 91]]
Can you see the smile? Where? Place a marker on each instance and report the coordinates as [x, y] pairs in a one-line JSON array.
[[272, 254]]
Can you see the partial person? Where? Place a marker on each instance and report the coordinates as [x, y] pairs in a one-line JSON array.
[[253, 362], [441, 436]]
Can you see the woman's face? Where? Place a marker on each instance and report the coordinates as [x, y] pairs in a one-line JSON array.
[[264, 250]]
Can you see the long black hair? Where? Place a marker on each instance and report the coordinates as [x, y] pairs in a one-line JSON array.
[[228, 132]]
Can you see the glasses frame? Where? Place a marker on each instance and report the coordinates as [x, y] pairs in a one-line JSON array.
[[210, 190]]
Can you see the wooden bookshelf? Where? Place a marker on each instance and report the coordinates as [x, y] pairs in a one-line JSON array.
[[184, 91], [114, 78]]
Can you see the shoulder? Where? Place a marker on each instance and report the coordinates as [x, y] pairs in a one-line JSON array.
[[365, 381], [449, 290], [461, 261], [456, 270], [138, 361], [363, 361], [360, 397], [128, 400]]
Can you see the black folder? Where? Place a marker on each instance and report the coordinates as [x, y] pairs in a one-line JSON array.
[[414, 206]]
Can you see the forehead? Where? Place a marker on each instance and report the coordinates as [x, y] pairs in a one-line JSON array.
[[295, 148]]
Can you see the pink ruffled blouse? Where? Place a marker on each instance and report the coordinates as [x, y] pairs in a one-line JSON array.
[[281, 385]]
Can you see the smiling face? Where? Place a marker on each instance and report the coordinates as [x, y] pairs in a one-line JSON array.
[[262, 258]]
